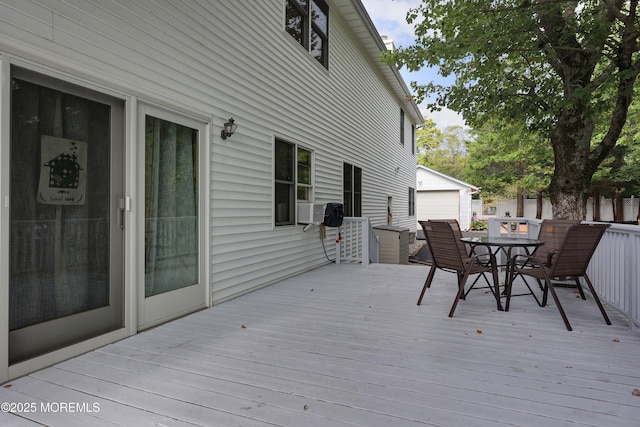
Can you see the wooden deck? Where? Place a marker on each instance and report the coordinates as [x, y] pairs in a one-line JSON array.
[[347, 345]]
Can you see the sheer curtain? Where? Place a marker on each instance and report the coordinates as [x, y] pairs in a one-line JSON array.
[[171, 231], [59, 260]]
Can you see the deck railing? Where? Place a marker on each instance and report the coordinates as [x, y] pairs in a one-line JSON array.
[[614, 268], [358, 244]]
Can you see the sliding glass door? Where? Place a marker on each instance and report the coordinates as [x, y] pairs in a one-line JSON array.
[[173, 232], [66, 232]]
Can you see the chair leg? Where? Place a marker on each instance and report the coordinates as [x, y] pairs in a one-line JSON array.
[[427, 283], [496, 288], [460, 281], [531, 291], [595, 297], [474, 283], [549, 287], [579, 286], [460, 295], [507, 286]]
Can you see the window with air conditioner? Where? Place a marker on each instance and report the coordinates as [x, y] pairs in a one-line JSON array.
[[293, 180]]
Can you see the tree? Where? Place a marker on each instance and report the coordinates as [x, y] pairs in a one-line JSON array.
[[543, 63], [618, 175], [619, 172], [506, 159], [428, 138], [445, 151]]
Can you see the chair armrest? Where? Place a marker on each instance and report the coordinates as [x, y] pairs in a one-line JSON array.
[[550, 256], [482, 258]]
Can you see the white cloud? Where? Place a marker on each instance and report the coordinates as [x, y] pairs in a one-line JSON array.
[[445, 118], [389, 17]]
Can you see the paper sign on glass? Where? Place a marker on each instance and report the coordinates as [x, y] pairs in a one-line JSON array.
[[63, 171]]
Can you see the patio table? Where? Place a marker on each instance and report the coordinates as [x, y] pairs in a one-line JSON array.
[[504, 245]]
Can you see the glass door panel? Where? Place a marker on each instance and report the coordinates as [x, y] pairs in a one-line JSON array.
[[171, 208], [66, 279], [174, 282]]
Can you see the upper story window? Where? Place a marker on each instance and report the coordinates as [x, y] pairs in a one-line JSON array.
[[293, 180], [308, 22], [401, 126], [413, 139], [412, 201]]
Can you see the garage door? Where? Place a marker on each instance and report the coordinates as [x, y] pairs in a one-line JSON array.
[[438, 205]]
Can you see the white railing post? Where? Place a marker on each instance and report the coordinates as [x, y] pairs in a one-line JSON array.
[[494, 227], [338, 247], [357, 243], [365, 241], [630, 289]]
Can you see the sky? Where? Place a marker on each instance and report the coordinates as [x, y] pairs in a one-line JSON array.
[[389, 17]]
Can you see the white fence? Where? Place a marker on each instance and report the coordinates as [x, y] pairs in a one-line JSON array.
[[358, 244], [614, 269], [629, 209]]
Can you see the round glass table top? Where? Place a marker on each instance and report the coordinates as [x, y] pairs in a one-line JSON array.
[[502, 241]]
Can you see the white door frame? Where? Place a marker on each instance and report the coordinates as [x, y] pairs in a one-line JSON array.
[[164, 306], [134, 226], [24, 367]]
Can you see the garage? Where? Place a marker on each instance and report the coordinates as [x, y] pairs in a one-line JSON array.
[[438, 204], [439, 196]]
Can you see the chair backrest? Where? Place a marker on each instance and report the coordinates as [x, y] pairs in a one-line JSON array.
[[457, 234], [552, 233], [577, 249], [443, 238]]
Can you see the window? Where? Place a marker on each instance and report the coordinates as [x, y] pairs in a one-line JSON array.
[[401, 126], [304, 175], [171, 206], [413, 139], [412, 201], [292, 180], [352, 190], [308, 23]]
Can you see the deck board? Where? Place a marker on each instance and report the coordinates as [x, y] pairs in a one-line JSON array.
[[347, 345]]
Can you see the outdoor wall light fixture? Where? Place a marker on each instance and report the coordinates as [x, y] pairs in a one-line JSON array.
[[229, 129]]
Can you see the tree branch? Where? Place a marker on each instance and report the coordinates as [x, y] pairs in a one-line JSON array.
[[615, 9]]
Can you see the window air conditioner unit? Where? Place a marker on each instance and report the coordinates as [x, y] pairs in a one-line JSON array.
[[310, 213]]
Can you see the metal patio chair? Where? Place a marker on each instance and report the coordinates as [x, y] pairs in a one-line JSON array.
[[450, 254], [552, 232], [568, 262]]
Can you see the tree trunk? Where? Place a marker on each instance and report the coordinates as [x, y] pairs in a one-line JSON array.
[[539, 205], [596, 206], [574, 168], [520, 204], [569, 205], [619, 207]]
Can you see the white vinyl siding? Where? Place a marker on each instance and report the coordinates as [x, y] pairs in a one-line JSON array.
[[198, 57]]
